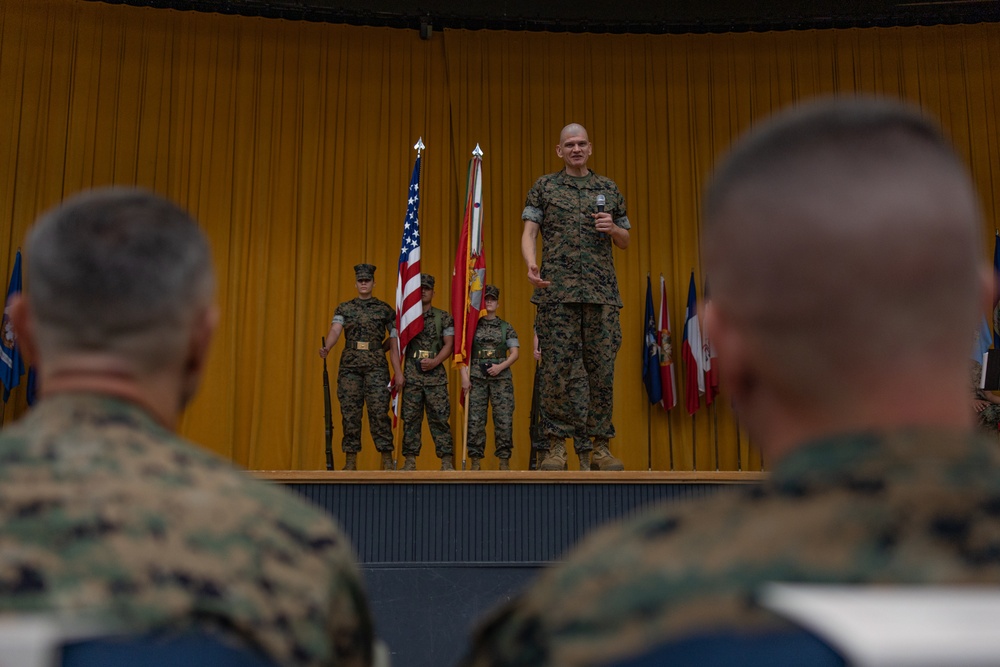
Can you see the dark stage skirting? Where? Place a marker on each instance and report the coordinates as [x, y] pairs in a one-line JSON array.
[[440, 549]]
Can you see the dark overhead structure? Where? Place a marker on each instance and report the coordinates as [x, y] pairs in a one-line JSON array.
[[606, 16]]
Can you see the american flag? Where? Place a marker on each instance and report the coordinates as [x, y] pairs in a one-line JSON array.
[[409, 311]]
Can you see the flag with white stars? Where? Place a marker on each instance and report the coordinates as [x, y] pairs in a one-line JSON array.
[[409, 310]]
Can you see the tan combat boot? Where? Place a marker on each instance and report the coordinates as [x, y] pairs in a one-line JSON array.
[[410, 463], [603, 460], [476, 463], [351, 462], [387, 462], [504, 464], [585, 460], [555, 458], [447, 462]]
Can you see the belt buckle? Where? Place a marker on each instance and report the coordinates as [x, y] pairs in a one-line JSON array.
[[423, 354], [363, 345]]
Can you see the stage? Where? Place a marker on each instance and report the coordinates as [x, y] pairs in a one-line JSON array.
[[438, 549]]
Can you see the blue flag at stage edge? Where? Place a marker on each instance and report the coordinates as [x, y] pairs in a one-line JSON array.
[[651, 351], [996, 291], [11, 364]]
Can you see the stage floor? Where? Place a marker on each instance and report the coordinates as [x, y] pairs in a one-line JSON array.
[[514, 476], [440, 549]]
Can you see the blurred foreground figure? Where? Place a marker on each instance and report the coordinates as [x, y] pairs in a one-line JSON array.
[[842, 242], [104, 511]]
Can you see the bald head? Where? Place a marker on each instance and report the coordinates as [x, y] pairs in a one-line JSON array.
[[841, 238], [572, 130], [574, 148]]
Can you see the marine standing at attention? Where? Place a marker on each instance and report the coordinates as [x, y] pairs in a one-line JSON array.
[[363, 376], [427, 382], [580, 215], [488, 380]]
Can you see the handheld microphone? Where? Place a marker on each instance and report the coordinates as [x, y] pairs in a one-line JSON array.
[[600, 204]]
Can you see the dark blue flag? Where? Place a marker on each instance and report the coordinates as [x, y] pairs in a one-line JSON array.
[[31, 386], [651, 351], [11, 364], [996, 292]]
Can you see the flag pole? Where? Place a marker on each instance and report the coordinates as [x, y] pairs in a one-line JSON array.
[[397, 436], [715, 420], [414, 201], [670, 438], [739, 446], [465, 426], [694, 446], [649, 436]]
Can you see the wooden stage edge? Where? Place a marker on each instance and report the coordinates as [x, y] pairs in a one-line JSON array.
[[513, 476]]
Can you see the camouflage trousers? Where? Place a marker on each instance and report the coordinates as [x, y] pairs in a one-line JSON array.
[[434, 400], [355, 388], [989, 420], [499, 393], [574, 402]]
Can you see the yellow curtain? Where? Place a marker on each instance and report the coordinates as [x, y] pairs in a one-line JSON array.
[[291, 142]]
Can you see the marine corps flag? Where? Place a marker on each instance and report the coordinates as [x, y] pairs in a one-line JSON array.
[[668, 380], [469, 275], [11, 364], [651, 350]]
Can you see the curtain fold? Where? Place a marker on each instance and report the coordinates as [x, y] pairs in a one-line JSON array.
[[291, 142]]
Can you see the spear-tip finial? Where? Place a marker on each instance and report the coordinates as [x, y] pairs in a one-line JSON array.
[[419, 145], [477, 151]]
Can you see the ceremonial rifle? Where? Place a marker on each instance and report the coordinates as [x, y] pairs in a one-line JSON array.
[[327, 413], [535, 429]]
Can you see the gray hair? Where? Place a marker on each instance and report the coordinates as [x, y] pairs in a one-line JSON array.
[[845, 236], [119, 271]]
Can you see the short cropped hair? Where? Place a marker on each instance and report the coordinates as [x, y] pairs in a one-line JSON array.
[[845, 234], [120, 271]]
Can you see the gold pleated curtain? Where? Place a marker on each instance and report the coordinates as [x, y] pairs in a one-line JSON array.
[[291, 142]]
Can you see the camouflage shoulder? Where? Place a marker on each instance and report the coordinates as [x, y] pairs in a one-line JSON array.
[[446, 319], [386, 307], [511, 331]]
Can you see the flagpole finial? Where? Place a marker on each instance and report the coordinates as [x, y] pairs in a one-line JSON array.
[[419, 145], [477, 151]]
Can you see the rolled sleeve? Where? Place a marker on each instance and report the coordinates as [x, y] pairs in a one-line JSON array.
[[623, 222], [532, 214]]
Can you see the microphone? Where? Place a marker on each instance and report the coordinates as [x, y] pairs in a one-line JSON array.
[[600, 204]]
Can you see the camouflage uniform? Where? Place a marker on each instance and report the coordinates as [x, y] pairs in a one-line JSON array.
[[364, 374], [490, 346], [911, 507], [104, 511], [989, 418], [428, 389], [578, 313]]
